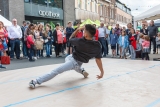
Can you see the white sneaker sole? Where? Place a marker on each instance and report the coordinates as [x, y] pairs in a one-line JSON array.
[[85, 74], [32, 86]]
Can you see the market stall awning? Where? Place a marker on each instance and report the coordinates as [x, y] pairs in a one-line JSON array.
[[88, 21], [5, 21], [151, 14]]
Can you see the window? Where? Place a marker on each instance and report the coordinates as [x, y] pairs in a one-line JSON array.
[[95, 7], [79, 3], [85, 4], [27, 1], [90, 6], [101, 10], [52, 3]]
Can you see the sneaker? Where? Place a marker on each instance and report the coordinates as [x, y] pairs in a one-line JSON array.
[[31, 60], [85, 74], [35, 58], [104, 55], [32, 84]]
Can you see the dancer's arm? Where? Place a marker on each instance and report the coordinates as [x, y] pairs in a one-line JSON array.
[[99, 64]]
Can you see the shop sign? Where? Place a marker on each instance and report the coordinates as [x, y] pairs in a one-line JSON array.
[[49, 14]]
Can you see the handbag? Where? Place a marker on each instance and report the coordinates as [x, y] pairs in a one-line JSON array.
[[64, 40], [5, 60], [38, 45]]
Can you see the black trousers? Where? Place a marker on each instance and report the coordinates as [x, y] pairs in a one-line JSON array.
[[153, 40], [58, 48], [145, 56]]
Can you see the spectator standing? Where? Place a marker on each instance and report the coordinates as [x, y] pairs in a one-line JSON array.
[[123, 44], [152, 30], [15, 35], [97, 33], [128, 30], [113, 42], [47, 40], [145, 46], [3, 39], [133, 43], [37, 38], [58, 37], [102, 38], [24, 48], [107, 39], [3, 44], [41, 30], [158, 42], [68, 32], [144, 31], [118, 32], [50, 30], [30, 45]]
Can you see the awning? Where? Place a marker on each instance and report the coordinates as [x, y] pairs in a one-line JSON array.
[[5, 21]]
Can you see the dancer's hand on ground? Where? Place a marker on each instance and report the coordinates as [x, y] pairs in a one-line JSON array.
[[99, 76]]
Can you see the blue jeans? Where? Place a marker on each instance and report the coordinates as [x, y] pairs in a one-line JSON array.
[[15, 45], [103, 43], [30, 53], [25, 50], [48, 49]]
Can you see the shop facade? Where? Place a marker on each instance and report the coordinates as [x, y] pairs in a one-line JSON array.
[[43, 13], [35, 11]]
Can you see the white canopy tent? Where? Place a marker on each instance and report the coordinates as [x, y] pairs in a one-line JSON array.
[[151, 14], [5, 21]]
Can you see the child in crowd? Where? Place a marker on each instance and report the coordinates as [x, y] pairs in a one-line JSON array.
[[84, 49], [133, 43], [158, 42], [123, 44], [30, 45], [145, 48], [141, 38], [113, 42]]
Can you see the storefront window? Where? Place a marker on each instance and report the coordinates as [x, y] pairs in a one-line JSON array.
[[56, 3], [52, 3]]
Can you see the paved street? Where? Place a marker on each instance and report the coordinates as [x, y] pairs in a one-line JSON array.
[[20, 64]]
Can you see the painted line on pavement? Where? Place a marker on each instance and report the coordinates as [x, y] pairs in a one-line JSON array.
[[154, 103], [23, 79], [79, 86]]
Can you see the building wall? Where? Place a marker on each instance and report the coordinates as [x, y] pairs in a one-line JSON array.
[[86, 9], [4, 7], [16, 11], [69, 11], [123, 18], [107, 11]]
